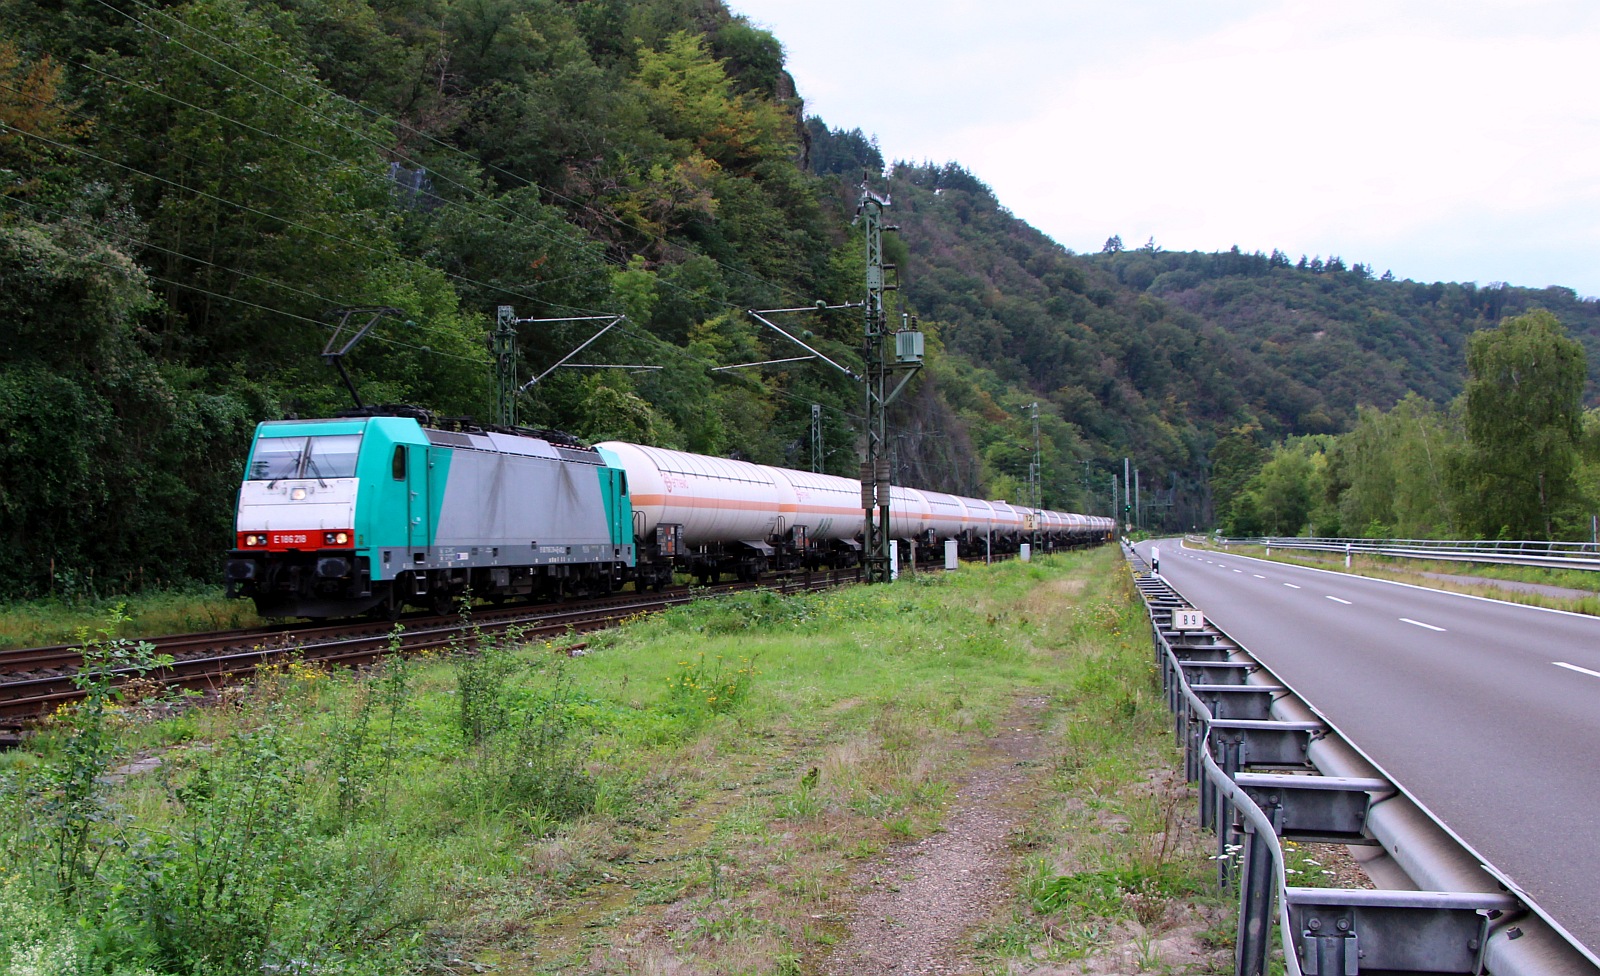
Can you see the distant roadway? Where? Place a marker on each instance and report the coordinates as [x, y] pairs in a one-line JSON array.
[[1487, 713]]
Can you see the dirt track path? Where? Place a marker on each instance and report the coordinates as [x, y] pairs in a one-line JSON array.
[[926, 899]]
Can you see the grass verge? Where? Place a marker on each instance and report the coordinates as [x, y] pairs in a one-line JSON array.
[[699, 792], [152, 613]]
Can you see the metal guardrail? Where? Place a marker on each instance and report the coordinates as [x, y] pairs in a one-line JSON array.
[[1268, 768], [1553, 555]]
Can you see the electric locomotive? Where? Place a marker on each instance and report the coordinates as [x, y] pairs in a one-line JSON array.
[[374, 511]]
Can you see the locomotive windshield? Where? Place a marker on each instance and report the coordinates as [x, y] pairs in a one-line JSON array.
[[323, 456]]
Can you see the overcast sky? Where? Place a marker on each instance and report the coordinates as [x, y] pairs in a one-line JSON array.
[[1453, 140]]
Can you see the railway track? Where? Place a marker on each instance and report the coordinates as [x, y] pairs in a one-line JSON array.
[[36, 681]]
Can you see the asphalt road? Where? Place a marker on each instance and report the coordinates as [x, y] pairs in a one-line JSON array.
[[1487, 713]]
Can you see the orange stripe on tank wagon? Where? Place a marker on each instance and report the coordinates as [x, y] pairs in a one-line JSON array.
[[732, 504]]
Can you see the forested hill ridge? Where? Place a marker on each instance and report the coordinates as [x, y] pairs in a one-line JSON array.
[[1127, 340], [187, 190]]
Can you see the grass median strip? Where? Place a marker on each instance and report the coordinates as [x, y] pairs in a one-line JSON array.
[[717, 789]]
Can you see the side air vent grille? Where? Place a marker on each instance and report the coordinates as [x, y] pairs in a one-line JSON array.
[[446, 438]]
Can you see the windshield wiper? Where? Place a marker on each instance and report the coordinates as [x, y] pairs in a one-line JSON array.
[[311, 465]]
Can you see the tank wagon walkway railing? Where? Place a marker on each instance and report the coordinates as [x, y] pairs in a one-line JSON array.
[[1555, 555], [1270, 769]]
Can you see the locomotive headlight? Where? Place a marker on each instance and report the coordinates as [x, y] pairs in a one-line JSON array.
[[297, 495], [335, 538]]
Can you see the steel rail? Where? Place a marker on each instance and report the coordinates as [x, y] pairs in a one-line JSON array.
[[1440, 906], [22, 660], [230, 659]]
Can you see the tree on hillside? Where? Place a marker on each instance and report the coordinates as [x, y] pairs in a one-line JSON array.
[[1523, 418], [1237, 456], [1284, 493], [840, 153], [1390, 472]]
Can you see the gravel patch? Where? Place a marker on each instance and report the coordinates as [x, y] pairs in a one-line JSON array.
[[924, 899]]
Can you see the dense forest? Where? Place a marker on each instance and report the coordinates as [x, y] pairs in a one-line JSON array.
[[1514, 456], [190, 191]]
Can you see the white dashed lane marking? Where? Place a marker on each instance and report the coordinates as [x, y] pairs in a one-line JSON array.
[[1337, 600], [1291, 586], [1418, 623], [1574, 667], [1258, 576]]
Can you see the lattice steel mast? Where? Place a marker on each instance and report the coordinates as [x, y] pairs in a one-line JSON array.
[[875, 355]]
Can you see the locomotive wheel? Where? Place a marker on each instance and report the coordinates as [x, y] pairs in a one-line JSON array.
[[442, 603]]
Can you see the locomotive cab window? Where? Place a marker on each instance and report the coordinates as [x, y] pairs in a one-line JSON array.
[[398, 465], [323, 456]]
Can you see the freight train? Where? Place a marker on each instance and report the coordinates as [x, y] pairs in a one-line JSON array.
[[382, 508]]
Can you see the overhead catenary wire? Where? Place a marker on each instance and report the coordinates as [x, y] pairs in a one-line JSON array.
[[577, 243], [431, 139], [575, 238], [189, 286], [245, 208], [773, 390]]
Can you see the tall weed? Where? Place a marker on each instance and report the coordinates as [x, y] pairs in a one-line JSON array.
[[70, 797], [482, 668], [212, 892], [358, 772], [538, 764], [239, 881]]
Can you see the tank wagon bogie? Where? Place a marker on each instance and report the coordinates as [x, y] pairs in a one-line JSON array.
[[390, 506]]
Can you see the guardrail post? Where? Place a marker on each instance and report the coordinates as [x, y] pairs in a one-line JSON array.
[[1256, 884], [1227, 839], [1192, 734], [1327, 953], [1223, 817]]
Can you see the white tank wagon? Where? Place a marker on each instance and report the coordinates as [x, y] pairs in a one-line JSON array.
[[910, 515], [709, 516], [981, 522], [1052, 528], [1069, 526], [1008, 521], [948, 515], [827, 505]]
